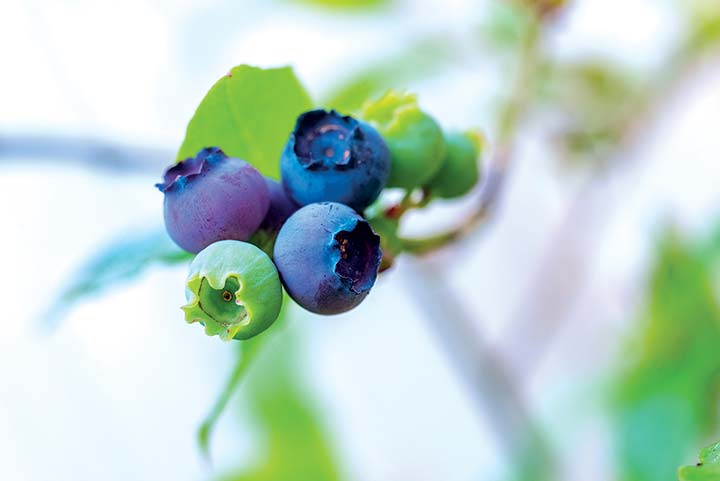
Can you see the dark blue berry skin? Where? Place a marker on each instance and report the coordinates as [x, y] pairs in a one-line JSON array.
[[212, 197], [328, 257], [334, 158], [281, 207]]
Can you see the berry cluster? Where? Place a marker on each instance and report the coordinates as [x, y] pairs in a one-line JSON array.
[[313, 233]]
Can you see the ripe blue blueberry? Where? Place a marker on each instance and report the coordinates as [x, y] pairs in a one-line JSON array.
[[328, 257], [335, 158], [281, 207], [212, 197]]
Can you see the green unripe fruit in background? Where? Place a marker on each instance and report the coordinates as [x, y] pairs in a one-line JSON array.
[[233, 289], [414, 138], [460, 170]]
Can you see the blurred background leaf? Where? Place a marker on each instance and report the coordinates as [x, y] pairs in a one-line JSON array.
[[346, 4], [708, 469], [702, 24], [247, 352], [119, 261], [666, 395], [593, 103], [295, 444], [248, 113], [422, 59], [504, 26]]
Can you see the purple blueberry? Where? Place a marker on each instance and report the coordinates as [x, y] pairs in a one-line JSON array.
[[281, 207], [335, 158], [328, 257], [212, 197]]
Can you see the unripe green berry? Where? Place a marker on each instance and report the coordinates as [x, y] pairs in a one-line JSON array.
[[233, 289], [460, 170], [414, 138]]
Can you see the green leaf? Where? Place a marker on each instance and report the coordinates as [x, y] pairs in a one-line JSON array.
[[666, 395], [248, 351], [248, 113], [294, 444], [708, 469], [120, 261]]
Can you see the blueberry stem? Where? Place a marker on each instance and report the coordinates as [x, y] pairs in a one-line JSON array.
[[408, 203], [249, 349], [490, 191]]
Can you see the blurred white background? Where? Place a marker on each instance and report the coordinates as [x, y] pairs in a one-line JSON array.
[[119, 390]]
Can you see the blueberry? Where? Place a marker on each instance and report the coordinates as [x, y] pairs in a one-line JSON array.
[[233, 289], [331, 157], [328, 257], [459, 172], [281, 207], [414, 138], [212, 197]]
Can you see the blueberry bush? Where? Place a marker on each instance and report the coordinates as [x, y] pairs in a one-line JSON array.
[[276, 199]]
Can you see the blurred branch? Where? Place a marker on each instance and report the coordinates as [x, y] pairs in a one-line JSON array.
[[88, 152], [488, 379], [118, 261], [550, 296]]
